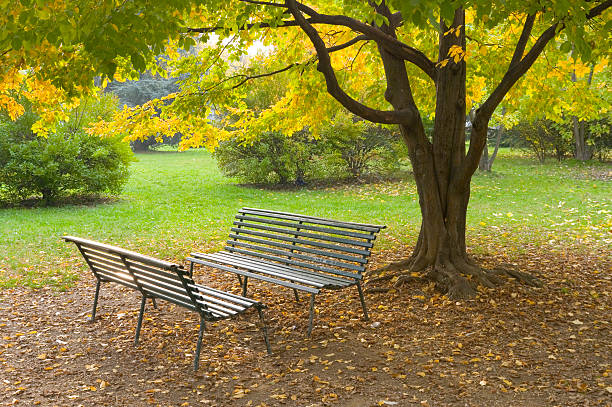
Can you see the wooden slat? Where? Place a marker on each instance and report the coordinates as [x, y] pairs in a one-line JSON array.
[[121, 279], [183, 304], [314, 259], [154, 284], [313, 219], [215, 303], [174, 282], [292, 262], [111, 264], [295, 232], [327, 232], [254, 275], [165, 274], [244, 301], [301, 242], [98, 253], [289, 272], [123, 252], [261, 268], [298, 248], [111, 269]]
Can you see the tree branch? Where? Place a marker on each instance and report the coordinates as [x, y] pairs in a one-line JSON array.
[[393, 45], [333, 88], [522, 42], [247, 78], [204, 30], [348, 43], [513, 74]]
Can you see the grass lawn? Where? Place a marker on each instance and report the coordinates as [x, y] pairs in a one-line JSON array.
[[177, 202]]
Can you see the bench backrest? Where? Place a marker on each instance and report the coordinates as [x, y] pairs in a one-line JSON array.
[[308, 242], [151, 276]]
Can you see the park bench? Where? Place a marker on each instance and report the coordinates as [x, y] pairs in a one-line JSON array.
[[158, 279], [304, 253]]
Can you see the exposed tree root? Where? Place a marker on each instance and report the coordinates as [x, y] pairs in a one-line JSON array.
[[396, 266], [521, 276], [449, 277], [402, 279]]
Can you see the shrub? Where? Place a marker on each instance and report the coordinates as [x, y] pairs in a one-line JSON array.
[[343, 150], [361, 148], [271, 159], [68, 162], [543, 137]]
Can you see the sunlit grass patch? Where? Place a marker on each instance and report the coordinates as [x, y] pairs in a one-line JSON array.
[[176, 202]]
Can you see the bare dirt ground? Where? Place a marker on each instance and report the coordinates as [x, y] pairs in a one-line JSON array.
[[513, 346]]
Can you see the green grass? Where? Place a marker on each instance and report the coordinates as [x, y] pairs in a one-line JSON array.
[[175, 203]]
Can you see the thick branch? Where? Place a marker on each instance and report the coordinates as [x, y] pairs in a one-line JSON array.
[[391, 44], [333, 87]]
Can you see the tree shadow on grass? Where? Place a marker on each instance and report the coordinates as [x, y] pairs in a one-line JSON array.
[[76, 200]]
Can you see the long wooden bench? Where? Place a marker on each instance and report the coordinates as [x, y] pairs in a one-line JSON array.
[[304, 253], [158, 279]]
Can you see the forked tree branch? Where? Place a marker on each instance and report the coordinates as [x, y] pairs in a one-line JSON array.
[[393, 45], [246, 78], [333, 87]]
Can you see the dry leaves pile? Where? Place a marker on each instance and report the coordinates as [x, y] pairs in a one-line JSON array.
[[512, 346]]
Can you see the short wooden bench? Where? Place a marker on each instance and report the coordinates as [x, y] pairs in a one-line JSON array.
[[158, 279], [304, 253]]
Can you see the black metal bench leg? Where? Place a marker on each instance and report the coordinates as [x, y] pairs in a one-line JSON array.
[[95, 304], [244, 286], [295, 293], [154, 303], [264, 329], [196, 362], [139, 325], [363, 306], [312, 300]]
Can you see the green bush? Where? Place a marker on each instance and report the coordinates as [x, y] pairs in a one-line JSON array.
[[544, 138], [271, 159], [358, 148], [69, 162], [344, 150]]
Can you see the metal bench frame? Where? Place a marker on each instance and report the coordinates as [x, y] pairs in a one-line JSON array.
[[158, 279], [304, 253]]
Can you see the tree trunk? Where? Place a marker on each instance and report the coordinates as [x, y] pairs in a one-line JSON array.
[[483, 165], [437, 166], [583, 152]]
